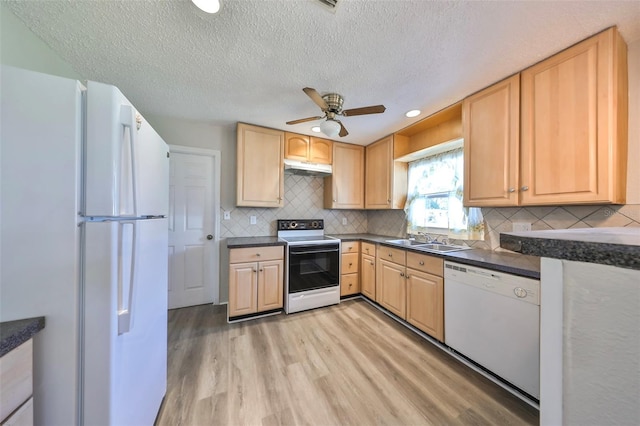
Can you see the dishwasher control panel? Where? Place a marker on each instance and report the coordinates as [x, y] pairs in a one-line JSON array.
[[508, 285]]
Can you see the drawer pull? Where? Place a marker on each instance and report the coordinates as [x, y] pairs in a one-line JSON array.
[[422, 263], [258, 254], [350, 264], [390, 255]]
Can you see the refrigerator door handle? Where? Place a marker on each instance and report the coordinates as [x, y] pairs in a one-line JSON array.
[[126, 273], [128, 120]]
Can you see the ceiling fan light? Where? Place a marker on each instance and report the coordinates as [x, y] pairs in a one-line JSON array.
[[330, 128], [209, 6]]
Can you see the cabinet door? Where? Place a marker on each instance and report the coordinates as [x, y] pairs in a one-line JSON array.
[[296, 147], [344, 189], [391, 291], [270, 285], [321, 151], [491, 123], [425, 302], [243, 289], [378, 175], [368, 276], [260, 165], [574, 114]]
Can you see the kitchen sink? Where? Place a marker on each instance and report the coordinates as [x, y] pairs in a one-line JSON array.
[[406, 242], [441, 248]]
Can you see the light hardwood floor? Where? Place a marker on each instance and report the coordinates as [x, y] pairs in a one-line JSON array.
[[348, 364]]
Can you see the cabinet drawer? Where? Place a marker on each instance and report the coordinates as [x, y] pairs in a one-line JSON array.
[[392, 255], [349, 284], [16, 384], [425, 263], [349, 263], [23, 416], [368, 248], [256, 254], [351, 247]]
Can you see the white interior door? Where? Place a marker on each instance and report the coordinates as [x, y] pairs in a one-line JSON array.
[[193, 227]]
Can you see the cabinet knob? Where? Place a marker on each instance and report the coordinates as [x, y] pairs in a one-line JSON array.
[[512, 190], [350, 284], [402, 274], [334, 200], [407, 276], [371, 263], [422, 262], [350, 264], [350, 248], [279, 198], [258, 254], [253, 269], [388, 201], [260, 269], [525, 188], [390, 255]]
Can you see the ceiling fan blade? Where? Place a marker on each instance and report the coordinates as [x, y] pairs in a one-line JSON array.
[[315, 97], [304, 120], [375, 109], [343, 130]]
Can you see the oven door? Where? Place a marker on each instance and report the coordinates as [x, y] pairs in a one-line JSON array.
[[313, 266]]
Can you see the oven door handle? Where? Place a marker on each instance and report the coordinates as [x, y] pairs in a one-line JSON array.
[[312, 252]]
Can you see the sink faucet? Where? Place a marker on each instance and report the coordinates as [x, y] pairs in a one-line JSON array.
[[427, 237]]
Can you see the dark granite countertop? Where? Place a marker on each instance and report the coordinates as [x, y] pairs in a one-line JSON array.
[[243, 242], [512, 263], [15, 333], [608, 246]]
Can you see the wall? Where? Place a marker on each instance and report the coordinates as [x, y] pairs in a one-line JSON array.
[[21, 48]]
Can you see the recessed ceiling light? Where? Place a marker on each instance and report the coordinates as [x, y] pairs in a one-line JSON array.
[[316, 129], [413, 113], [209, 6]]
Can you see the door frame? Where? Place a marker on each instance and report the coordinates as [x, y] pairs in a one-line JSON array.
[[215, 251]]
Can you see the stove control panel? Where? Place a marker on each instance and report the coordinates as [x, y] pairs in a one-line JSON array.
[[300, 224]]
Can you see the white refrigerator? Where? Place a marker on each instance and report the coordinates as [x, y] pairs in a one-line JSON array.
[[85, 195]]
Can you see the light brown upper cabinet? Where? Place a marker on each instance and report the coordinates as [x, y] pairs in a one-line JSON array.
[[573, 131], [308, 148], [260, 171], [492, 141], [386, 179], [344, 189], [574, 124]]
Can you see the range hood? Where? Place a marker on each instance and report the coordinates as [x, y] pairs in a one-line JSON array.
[[303, 168]]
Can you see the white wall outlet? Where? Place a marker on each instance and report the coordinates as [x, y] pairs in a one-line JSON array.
[[521, 226], [227, 215], [252, 220], [344, 220]]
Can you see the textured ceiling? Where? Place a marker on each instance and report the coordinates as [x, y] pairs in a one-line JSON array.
[[250, 61]]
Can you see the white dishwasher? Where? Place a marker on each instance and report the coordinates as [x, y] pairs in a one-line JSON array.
[[493, 318]]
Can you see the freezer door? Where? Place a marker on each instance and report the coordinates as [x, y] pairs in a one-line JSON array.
[[125, 321], [126, 161]]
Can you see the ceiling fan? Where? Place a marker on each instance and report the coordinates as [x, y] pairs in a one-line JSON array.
[[331, 106]]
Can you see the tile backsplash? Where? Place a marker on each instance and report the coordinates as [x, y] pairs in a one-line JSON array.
[[304, 199]]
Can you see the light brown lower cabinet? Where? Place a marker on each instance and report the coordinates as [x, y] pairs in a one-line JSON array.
[[368, 276], [16, 386], [256, 280], [349, 270], [425, 302], [391, 287]]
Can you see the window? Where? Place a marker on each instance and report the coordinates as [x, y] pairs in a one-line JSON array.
[[434, 201]]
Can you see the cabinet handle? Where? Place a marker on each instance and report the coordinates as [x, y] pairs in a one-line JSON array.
[[525, 188], [512, 190], [402, 274], [421, 262]]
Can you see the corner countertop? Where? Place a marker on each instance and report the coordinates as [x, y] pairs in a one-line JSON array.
[[608, 246], [15, 333], [512, 263], [243, 242]]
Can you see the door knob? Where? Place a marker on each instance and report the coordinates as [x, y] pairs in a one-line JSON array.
[[209, 237]]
